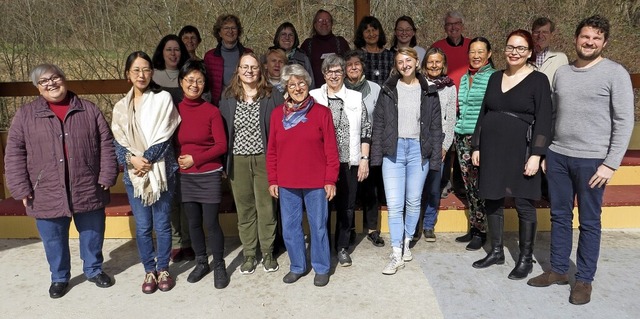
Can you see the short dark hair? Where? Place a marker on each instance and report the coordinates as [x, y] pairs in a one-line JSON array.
[[597, 22], [541, 22], [129, 61], [369, 21], [194, 65], [486, 43], [222, 19], [158, 58], [286, 25], [408, 20], [190, 29]]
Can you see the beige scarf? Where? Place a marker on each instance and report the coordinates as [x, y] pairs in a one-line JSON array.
[[136, 129]]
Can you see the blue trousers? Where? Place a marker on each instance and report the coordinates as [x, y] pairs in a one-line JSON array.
[[568, 179], [54, 233]]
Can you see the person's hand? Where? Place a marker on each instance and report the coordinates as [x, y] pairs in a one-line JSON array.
[[532, 165], [601, 177], [185, 161], [26, 200], [273, 191], [363, 170], [444, 153], [140, 164], [543, 165], [475, 158], [330, 190]]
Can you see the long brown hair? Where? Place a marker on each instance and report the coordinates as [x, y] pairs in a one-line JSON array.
[[235, 88]]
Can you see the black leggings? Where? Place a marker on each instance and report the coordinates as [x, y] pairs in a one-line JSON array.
[[525, 208], [199, 214]]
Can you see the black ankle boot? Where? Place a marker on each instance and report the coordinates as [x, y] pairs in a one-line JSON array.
[[477, 241], [525, 263], [200, 270], [468, 236], [496, 255], [220, 277]]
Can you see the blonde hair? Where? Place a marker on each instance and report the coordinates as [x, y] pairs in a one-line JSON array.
[[235, 88], [408, 52]]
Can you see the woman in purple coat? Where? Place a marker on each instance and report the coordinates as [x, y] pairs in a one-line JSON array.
[[60, 161]]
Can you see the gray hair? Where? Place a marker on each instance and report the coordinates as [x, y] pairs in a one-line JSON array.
[[333, 60], [296, 70], [454, 14], [41, 69]]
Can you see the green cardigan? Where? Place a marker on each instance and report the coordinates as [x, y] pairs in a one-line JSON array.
[[470, 99]]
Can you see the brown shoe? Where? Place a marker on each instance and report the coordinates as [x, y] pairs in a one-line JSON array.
[[150, 283], [177, 255], [548, 278], [581, 293], [165, 282]]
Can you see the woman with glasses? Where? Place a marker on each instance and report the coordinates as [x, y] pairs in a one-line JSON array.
[[371, 39], [222, 60], [353, 135], [200, 145], [407, 142], [511, 136], [246, 107], [143, 123], [405, 37], [286, 38], [470, 95], [60, 162], [302, 167]]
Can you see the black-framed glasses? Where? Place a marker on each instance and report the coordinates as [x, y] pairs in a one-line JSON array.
[[52, 79], [520, 49]]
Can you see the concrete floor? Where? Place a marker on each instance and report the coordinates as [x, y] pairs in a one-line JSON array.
[[438, 283]]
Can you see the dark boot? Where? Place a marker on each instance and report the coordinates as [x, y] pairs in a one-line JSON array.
[[200, 270], [496, 255], [525, 263], [220, 277], [477, 241], [468, 236]]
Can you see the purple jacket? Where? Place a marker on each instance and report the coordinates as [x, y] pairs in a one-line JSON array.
[[35, 165]]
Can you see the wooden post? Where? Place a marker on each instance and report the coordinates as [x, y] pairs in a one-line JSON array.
[[361, 9]]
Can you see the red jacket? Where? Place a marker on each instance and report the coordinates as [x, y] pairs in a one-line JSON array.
[[305, 156], [214, 63], [35, 164]]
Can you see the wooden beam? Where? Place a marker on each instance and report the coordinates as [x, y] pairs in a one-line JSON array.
[[13, 89], [635, 80], [361, 9]]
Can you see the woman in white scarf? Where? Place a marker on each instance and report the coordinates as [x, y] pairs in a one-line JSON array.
[[143, 123]]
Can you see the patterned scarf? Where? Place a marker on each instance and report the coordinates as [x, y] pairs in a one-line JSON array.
[[361, 86], [442, 81], [296, 113]]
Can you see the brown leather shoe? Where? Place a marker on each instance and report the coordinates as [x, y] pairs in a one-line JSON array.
[[150, 283], [165, 281], [548, 278], [581, 293]]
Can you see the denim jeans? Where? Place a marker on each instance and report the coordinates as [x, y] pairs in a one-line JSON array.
[[149, 218], [404, 175], [569, 177], [432, 198], [315, 201], [54, 233]]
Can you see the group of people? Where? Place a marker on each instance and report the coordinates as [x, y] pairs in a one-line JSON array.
[[317, 125]]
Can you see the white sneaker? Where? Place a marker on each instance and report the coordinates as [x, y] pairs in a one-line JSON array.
[[407, 255], [393, 265]]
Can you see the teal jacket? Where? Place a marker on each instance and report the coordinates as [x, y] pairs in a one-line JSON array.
[[470, 99]]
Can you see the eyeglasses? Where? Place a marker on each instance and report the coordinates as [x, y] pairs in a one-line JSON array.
[[293, 86], [327, 21], [404, 30], [333, 72], [287, 35], [53, 79], [519, 49], [192, 81], [540, 32], [245, 68], [229, 28], [136, 72], [451, 24]]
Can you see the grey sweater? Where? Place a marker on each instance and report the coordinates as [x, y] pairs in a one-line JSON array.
[[593, 112]]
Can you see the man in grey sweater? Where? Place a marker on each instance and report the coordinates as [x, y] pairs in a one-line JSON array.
[[593, 112]]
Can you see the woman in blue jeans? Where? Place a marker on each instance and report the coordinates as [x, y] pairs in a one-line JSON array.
[[143, 123], [407, 142]]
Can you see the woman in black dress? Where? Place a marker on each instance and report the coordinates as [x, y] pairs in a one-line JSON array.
[[518, 99]]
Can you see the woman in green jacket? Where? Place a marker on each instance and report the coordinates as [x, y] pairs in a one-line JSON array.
[[471, 93]]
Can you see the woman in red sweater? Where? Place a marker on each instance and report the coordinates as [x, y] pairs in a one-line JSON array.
[[302, 166], [201, 142]]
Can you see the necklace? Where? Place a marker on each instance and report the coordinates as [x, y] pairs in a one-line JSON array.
[[172, 79]]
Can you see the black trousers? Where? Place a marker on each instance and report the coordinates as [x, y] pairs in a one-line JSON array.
[[345, 204], [525, 208], [202, 215]]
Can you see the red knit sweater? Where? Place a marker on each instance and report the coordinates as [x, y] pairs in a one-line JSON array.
[[457, 58], [305, 156], [201, 134]]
